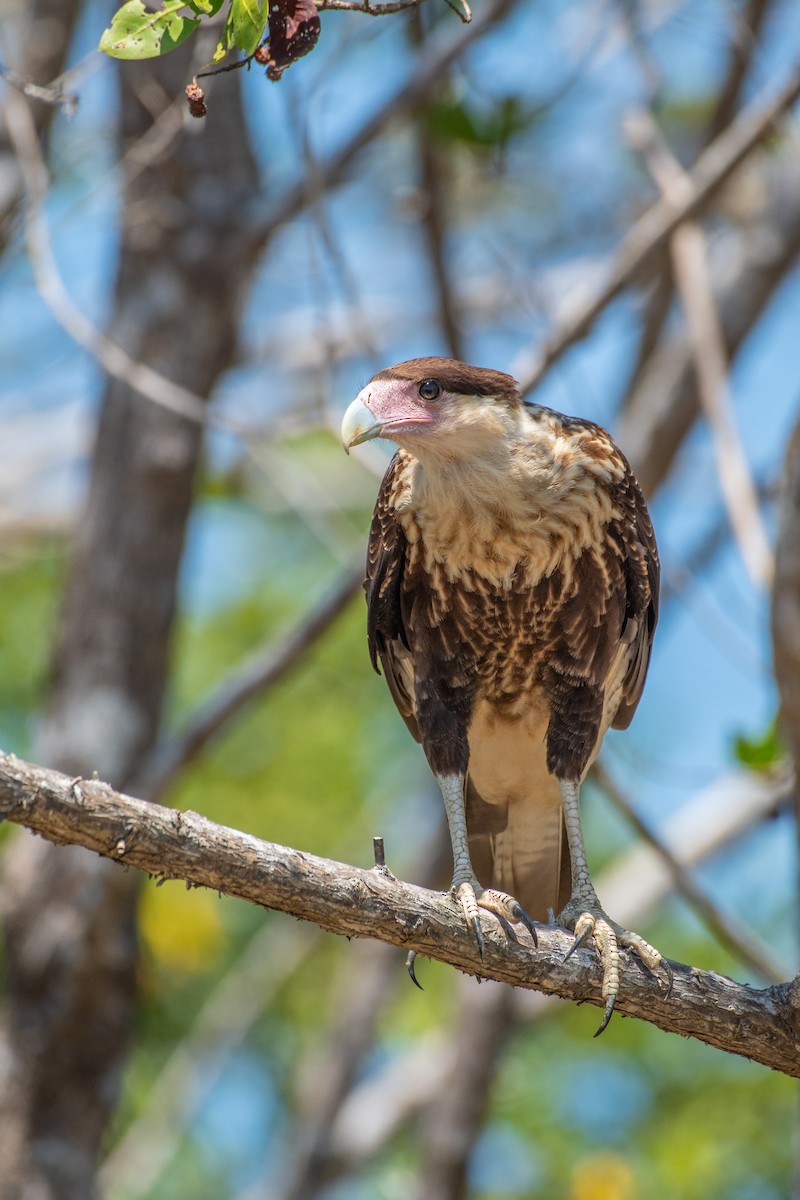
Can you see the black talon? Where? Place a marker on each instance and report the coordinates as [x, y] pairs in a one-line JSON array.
[[476, 929], [642, 965], [576, 945], [607, 1015], [410, 959], [670, 976], [507, 927], [519, 912]]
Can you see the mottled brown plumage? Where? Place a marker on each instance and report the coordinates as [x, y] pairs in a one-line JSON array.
[[512, 589]]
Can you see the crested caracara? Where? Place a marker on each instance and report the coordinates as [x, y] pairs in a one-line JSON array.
[[512, 595]]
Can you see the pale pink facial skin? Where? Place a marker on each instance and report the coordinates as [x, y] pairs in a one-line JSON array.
[[388, 408], [396, 405]]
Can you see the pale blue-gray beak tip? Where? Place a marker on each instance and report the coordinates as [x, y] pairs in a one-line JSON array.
[[359, 425]]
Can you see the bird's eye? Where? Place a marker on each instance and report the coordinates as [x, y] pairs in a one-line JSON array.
[[430, 389]]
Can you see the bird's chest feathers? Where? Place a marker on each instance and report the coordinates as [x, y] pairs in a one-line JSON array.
[[504, 522]]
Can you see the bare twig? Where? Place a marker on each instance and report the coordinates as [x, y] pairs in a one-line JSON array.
[[364, 6], [55, 94], [434, 220], [729, 933], [653, 230], [369, 903], [254, 677], [746, 26], [690, 265], [434, 176]]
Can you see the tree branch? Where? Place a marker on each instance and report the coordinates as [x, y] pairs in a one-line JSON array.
[[655, 227], [763, 1025], [260, 671], [690, 266]]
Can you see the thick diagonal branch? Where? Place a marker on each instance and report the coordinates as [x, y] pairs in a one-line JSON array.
[[763, 1025]]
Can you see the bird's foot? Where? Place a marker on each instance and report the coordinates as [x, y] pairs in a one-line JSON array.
[[508, 911], [584, 915]]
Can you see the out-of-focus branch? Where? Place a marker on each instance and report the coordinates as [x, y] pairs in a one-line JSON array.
[[745, 28], [138, 1160], [363, 6], [254, 677], [690, 266], [433, 190], [372, 903], [369, 984], [114, 360], [426, 78], [457, 1109], [433, 177], [653, 230], [664, 404], [682, 575], [729, 933], [786, 603], [55, 94]]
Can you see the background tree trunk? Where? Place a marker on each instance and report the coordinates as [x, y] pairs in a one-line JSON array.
[[69, 919]]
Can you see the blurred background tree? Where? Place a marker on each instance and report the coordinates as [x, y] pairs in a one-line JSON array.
[[181, 541]]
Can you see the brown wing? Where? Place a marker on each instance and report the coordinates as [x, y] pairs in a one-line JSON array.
[[603, 619], [387, 636], [642, 575]]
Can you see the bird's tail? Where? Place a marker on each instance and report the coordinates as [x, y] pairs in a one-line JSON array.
[[521, 848]]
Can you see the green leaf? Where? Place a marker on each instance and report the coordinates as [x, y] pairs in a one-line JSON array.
[[760, 753], [205, 8], [248, 20], [484, 127], [226, 41], [136, 32]]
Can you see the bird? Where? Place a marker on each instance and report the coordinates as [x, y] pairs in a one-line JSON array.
[[512, 596]]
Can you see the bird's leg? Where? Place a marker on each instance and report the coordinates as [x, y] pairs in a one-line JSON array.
[[465, 886], [585, 915]]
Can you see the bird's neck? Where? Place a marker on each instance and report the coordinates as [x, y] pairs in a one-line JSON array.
[[514, 511]]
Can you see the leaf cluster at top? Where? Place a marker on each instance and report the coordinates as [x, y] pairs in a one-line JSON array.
[[137, 32]]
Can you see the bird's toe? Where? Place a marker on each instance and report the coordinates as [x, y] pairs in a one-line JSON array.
[[508, 911], [588, 920]]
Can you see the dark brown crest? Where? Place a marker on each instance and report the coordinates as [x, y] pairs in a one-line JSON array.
[[457, 377]]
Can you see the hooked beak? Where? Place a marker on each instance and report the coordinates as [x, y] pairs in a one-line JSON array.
[[359, 425]]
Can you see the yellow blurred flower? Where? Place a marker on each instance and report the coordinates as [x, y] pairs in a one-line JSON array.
[[602, 1177], [182, 929]]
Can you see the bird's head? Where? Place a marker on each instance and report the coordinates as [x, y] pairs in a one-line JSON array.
[[434, 407]]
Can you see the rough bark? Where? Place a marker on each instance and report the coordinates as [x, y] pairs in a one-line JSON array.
[[70, 932], [759, 1024]]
